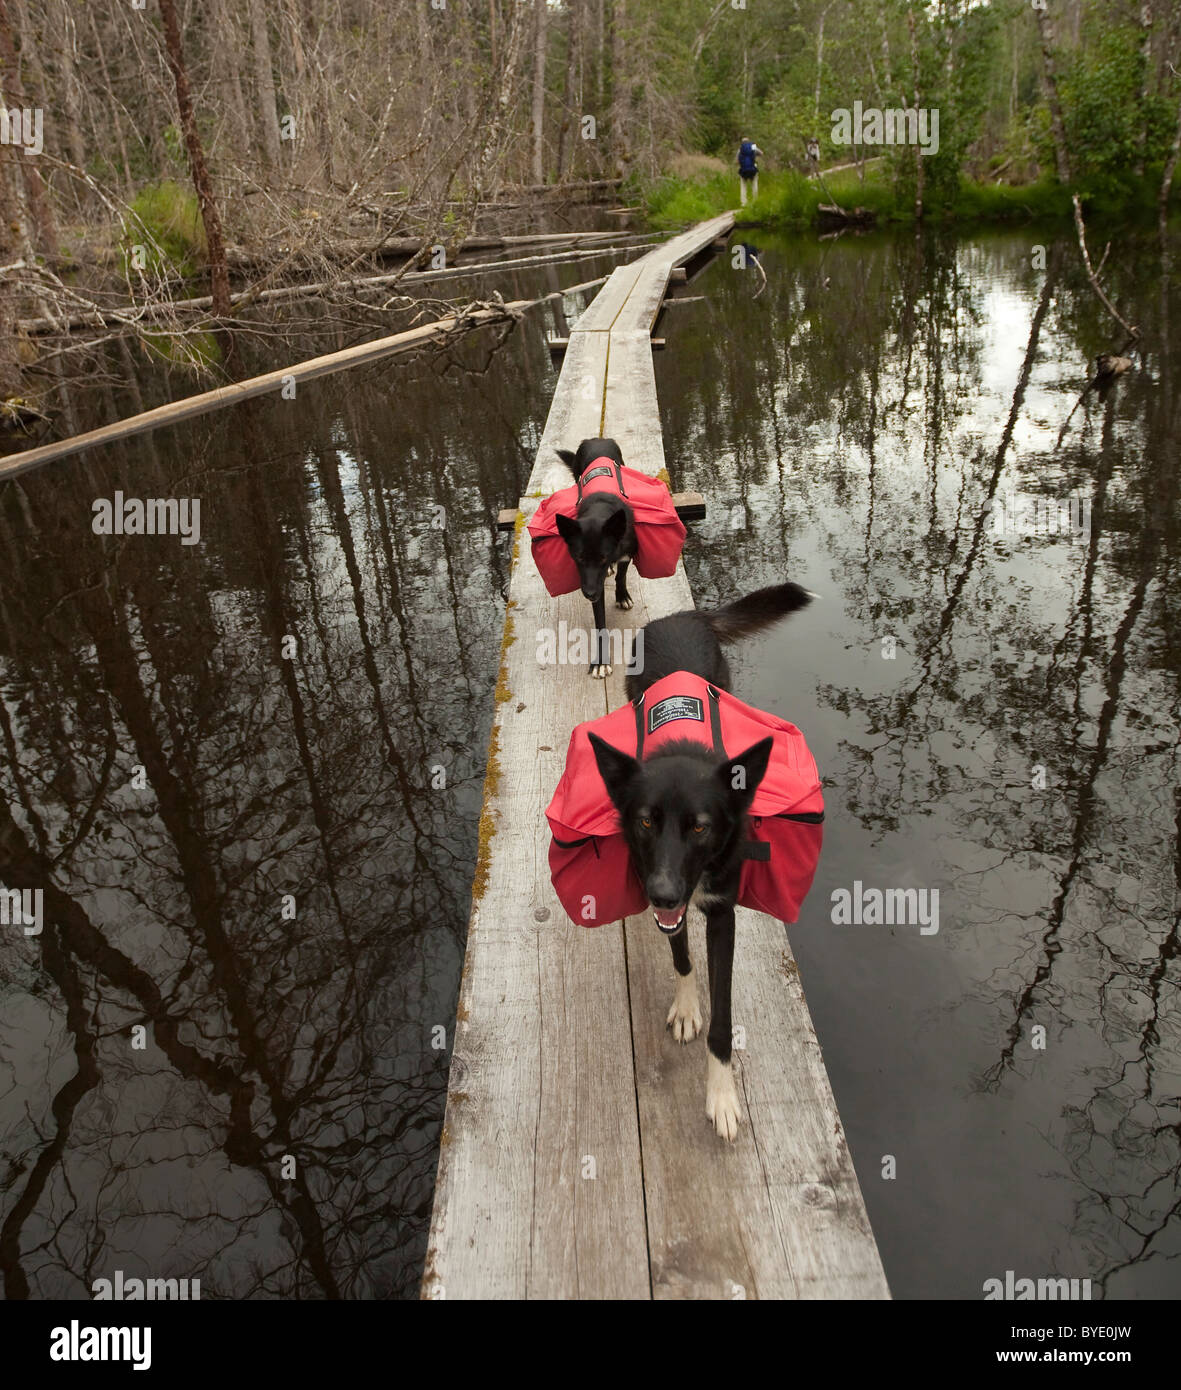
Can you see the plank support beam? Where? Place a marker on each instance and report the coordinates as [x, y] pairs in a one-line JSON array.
[[557, 346], [690, 507]]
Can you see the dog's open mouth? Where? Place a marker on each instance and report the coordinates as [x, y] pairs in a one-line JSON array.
[[669, 919]]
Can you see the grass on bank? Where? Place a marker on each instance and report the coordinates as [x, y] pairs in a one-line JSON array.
[[790, 200]]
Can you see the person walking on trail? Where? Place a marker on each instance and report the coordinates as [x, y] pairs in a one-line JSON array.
[[748, 168]]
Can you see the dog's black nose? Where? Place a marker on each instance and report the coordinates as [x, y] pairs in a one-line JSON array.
[[663, 893]]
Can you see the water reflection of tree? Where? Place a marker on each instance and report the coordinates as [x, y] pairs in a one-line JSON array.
[[1016, 653], [1080, 827], [265, 776]]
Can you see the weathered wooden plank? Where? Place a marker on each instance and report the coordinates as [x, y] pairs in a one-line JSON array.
[[644, 303], [576, 412], [778, 1213], [601, 313], [646, 277], [541, 1067]]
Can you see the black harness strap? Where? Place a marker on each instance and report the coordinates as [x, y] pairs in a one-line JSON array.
[[715, 722], [757, 850], [751, 849]]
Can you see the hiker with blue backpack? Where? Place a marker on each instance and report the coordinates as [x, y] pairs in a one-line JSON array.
[[748, 168]]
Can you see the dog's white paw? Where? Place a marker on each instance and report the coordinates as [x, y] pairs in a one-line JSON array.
[[599, 673], [721, 1099], [684, 1018], [624, 603]]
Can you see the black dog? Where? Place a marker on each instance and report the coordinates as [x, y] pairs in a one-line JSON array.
[[602, 534], [683, 815]]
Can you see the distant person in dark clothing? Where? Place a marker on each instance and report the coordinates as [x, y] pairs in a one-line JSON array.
[[748, 169]]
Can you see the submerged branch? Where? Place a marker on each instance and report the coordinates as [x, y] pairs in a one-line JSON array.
[[1093, 275]]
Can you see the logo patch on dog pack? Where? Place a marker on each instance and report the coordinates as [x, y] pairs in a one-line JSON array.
[[597, 473], [675, 707]]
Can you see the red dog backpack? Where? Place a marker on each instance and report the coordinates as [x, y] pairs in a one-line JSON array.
[[589, 860], [660, 532]]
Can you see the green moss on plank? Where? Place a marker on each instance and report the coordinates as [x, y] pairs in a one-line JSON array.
[[488, 817]]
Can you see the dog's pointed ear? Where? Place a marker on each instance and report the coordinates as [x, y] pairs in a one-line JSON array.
[[615, 527], [568, 527], [741, 775], [569, 458], [615, 768]]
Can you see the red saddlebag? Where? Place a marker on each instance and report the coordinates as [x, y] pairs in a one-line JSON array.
[[589, 861], [660, 532]]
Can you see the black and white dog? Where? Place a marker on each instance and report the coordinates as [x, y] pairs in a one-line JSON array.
[[599, 537], [683, 816]]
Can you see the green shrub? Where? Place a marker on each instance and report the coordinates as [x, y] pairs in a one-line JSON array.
[[172, 217]]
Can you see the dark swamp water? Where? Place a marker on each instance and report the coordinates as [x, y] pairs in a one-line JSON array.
[[848, 427]]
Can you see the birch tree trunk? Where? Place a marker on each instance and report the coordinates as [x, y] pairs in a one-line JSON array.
[[819, 65], [264, 76], [887, 73], [600, 72], [229, 60], [1050, 73], [919, 171], [67, 38], [569, 103], [1142, 94], [620, 90], [540, 37], [1166, 186], [502, 104]]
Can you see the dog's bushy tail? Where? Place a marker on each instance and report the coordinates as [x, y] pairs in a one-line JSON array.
[[746, 616]]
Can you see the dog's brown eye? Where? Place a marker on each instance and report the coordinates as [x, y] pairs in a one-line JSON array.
[[645, 822], [700, 829]]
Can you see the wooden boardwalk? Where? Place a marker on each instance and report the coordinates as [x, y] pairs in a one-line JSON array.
[[576, 1158]]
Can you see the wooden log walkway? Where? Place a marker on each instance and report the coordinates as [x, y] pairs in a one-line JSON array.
[[576, 1159]]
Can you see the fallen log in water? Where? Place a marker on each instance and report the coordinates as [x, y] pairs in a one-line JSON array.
[[355, 248], [130, 315], [556, 189], [829, 214], [176, 411]]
